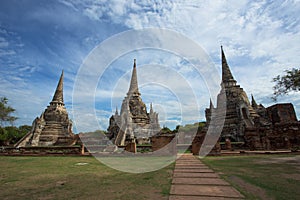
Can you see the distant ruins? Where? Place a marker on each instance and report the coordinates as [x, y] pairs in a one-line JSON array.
[[53, 127], [133, 122], [259, 128]]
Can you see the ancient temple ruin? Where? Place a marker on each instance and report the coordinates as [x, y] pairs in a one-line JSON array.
[[251, 124], [133, 123], [233, 101], [53, 127]]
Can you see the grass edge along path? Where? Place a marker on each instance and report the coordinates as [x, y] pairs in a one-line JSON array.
[[260, 176]]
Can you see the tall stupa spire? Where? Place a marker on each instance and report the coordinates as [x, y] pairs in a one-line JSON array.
[[133, 88], [253, 102], [211, 105], [117, 112], [58, 96], [226, 73], [151, 108]]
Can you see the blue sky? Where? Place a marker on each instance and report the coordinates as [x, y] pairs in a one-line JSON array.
[[40, 38]]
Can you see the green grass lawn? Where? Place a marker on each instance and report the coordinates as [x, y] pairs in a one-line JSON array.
[[257, 177], [63, 178], [261, 177]]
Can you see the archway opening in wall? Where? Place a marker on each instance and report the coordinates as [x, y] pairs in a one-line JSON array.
[[244, 113]]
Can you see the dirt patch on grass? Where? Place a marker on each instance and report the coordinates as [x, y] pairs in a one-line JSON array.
[[282, 160], [249, 188], [291, 176], [49, 197]]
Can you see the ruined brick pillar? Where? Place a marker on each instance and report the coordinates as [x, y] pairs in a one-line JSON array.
[[131, 147]]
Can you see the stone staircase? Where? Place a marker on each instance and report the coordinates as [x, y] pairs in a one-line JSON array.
[[54, 133]]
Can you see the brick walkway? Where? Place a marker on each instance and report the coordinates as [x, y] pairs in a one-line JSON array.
[[193, 180]]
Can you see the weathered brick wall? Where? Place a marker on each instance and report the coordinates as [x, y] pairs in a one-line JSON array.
[[164, 144], [279, 113], [279, 136]]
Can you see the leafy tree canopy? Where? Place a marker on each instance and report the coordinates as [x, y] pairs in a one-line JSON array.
[[290, 81], [191, 127], [10, 135], [5, 112]]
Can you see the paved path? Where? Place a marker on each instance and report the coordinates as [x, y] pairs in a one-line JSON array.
[[192, 180]]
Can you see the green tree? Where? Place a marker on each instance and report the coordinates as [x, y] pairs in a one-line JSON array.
[[11, 134], [3, 137], [165, 130], [5, 112], [176, 129], [24, 129], [290, 81]]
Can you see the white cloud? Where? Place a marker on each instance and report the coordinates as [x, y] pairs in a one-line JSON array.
[[254, 28], [3, 42], [260, 38]]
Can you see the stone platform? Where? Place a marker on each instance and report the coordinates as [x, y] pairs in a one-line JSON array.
[[193, 180]]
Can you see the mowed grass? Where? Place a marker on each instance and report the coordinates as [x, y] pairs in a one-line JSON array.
[[63, 178], [261, 177]]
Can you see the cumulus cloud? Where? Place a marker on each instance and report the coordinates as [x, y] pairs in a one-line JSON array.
[[260, 40], [246, 28]]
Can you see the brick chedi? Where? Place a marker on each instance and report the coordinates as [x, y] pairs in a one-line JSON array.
[[133, 122], [259, 128], [53, 127], [239, 112]]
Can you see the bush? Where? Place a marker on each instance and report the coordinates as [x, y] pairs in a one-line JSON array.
[[11, 134]]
